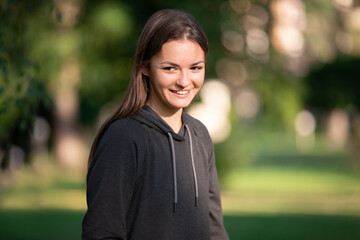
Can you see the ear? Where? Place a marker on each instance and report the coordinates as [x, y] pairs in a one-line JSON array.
[[145, 71]]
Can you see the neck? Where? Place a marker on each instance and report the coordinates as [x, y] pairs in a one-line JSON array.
[[174, 121], [172, 118]]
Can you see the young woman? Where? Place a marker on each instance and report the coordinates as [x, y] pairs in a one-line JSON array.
[[152, 168]]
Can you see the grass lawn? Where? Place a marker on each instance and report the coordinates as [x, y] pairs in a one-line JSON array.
[[66, 224], [288, 190], [292, 227], [40, 224]]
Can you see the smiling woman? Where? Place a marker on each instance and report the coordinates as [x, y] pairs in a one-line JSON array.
[[150, 160], [177, 73]]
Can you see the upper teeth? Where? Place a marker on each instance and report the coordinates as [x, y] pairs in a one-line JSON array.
[[182, 92]]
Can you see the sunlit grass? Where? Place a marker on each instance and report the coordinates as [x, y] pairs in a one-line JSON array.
[[43, 185], [291, 180], [270, 190], [52, 199], [245, 203], [266, 190]]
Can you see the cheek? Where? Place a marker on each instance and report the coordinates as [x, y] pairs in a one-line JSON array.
[[164, 80], [199, 80]]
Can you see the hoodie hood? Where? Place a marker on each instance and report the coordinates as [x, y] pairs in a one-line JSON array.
[[149, 117]]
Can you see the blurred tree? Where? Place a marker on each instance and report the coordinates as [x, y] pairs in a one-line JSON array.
[[334, 85], [263, 59], [23, 95], [262, 49], [333, 39], [107, 44]]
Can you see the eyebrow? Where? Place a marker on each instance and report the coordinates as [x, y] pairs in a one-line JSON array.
[[174, 64]]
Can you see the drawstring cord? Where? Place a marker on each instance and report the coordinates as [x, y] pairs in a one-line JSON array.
[[173, 155], [174, 169], [193, 167]]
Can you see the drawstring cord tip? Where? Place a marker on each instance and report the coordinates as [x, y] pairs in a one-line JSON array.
[[174, 209], [196, 201]]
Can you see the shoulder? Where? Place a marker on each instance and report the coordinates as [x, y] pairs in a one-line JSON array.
[[118, 147], [125, 129], [122, 138]]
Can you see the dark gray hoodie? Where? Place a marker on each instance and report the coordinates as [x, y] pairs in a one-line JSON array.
[[147, 182]]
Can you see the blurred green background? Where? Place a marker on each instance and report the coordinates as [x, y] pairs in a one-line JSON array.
[[281, 101]]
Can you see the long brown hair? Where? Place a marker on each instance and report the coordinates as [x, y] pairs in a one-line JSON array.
[[162, 26]]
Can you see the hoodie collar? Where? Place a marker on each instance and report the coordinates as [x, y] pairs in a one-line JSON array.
[[149, 117]]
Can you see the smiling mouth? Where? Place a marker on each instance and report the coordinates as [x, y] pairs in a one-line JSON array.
[[180, 92]]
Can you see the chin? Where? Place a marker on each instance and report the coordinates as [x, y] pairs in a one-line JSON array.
[[181, 104]]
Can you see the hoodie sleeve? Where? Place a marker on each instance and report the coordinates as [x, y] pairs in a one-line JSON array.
[[217, 230], [110, 183]]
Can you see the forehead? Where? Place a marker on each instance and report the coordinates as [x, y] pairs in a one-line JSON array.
[[178, 50]]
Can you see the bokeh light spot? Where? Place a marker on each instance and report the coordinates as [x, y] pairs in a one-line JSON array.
[[305, 123]]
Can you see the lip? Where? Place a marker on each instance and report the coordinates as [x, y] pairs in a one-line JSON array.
[[181, 93]]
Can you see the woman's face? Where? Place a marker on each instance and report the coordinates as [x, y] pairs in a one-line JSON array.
[[176, 74]]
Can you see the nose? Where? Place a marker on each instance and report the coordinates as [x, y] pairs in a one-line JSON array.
[[183, 79]]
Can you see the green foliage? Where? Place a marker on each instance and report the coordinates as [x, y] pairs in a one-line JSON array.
[[111, 21], [106, 49], [281, 98], [334, 85], [34, 46], [22, 94]]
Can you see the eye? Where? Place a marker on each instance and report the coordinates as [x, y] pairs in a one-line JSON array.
[[169, 68], [196, 68]]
